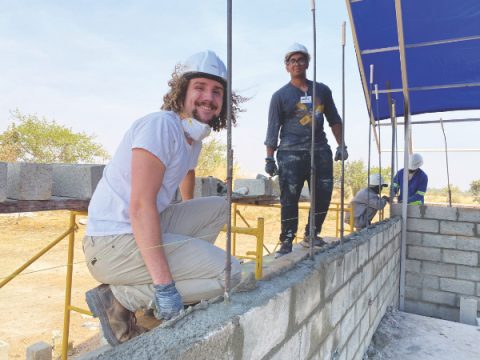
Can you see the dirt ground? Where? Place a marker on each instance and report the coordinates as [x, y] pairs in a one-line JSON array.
[[32, 303]]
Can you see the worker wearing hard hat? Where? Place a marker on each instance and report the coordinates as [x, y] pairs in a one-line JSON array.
[[367, 202], [154, 254], [417, 181], [290, 120]]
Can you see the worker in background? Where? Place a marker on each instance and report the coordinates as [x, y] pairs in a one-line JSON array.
[[367, 202], [146, 252], [417, 181], [290, 119]]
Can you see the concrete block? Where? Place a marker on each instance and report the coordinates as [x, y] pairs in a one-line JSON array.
[[276, 315], [353, 343], [319, 326], [29, 181], [367, 274], [440, 241], [4, 348], [421, 308], [422, 225], [351, 262], [3, 181], [468, 273], [364, 325], [469, 215], [307, 295], [423, 253], [339, 305], [372, 250], [414, 238], [298, 344], [468, 310], [438, 297], [447, 313], [414, 280], [468, 243], [208, 186], [76, 180], [413, 265], [440, 213], [362, 254], [438, 269], [39, 351], [458, 286], [355, 288], [430, 282], [333, 276], [255, 186], [456, 228], [413, 293], [460, 257], [346, 326]]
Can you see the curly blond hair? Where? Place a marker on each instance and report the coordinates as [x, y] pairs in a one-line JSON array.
[[174, 99]]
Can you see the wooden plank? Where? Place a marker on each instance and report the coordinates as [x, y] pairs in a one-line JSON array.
[[54, 203]]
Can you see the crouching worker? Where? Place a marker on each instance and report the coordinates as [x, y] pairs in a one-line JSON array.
[[367, 202], [146, 252]]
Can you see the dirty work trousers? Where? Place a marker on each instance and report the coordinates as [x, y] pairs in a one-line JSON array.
[[294, 170], [197, 266]]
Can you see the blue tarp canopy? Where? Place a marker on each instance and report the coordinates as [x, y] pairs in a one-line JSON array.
[[442, 53]]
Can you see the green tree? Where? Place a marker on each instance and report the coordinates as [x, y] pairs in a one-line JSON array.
[[213, 160], [475, 189], [34, 139], [355, 176]]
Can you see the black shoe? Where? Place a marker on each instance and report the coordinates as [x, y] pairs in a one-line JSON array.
[[317, 241], [285, 248]]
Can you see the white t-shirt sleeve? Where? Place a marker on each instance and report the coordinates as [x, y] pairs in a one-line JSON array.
[[197, 148], [163, 142]]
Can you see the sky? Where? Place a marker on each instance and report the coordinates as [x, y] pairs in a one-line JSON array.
[[97, 66]]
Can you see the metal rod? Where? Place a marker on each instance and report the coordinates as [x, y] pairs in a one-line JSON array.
[[312, 231], [446, 161], [407, 133], [394, 145], [228, 260], [379, 140], [370, 124], [438, 150], [342, 184], [437, 121]]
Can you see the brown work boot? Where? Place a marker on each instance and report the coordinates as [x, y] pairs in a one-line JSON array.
[[118, 323]]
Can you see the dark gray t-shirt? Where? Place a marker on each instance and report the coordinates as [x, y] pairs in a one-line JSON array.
[[290, 117]]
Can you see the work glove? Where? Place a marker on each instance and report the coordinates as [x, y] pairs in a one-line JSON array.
[[168, 301], [271, 166], [386, 198], [338, 154]]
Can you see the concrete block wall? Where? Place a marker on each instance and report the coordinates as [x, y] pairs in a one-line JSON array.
[[324, 308], [29, 181], [443, 259]]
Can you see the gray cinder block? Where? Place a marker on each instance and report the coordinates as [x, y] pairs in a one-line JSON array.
[[208, 186], [3, 181], [468, 310], [29, 181], [76, 180], [255, 186], [39, 351]]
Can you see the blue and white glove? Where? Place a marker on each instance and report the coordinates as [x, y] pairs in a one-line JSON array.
[[339, 155], [270, 166], [168, 301]]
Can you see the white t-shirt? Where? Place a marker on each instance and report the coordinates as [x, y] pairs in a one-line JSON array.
[[160, 133]]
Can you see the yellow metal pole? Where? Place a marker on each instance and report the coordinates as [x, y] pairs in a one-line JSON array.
[[34, 258], [68, 286], [259, 250]]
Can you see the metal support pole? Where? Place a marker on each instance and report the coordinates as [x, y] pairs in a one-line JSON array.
[[342, 184], [446, 160], [394, 145], [313, 210], [228, 260]]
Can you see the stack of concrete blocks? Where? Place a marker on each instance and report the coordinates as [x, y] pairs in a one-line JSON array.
[[29, 181], [3, 181], [325, 308], [76, 180], [443, 259], [208, 186], [254, 187], [39, 351]]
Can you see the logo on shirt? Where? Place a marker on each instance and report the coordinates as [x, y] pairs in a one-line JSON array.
[[303, 112]]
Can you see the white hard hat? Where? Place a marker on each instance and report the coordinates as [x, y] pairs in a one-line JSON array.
[[296, 48], [208, 63], [376, 180], [415, 161]]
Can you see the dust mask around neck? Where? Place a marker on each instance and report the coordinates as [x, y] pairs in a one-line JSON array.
[[196, 130]]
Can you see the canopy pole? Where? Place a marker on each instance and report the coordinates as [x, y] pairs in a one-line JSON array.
[[394, 145], [379, 138], [313, 210], [407, 147], [342, 184], [446, 160], [369, 146], [228, 250]]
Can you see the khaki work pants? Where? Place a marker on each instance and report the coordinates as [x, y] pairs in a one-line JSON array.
[[197, 266]]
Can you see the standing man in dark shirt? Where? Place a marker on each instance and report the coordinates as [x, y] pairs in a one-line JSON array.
[[290, 118]]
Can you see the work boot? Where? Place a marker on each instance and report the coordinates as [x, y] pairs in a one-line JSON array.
[[286, 245], [317, 241], [118, 323]]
